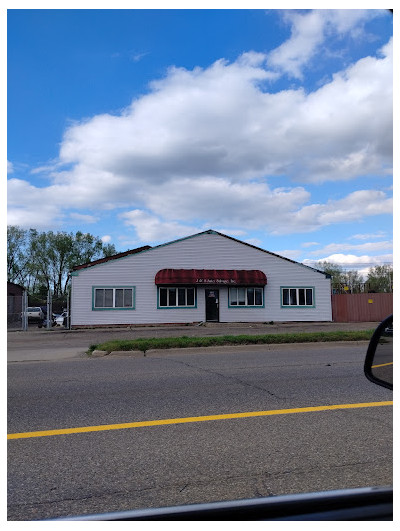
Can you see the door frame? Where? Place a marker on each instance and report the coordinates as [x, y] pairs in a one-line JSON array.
[[206, 295]]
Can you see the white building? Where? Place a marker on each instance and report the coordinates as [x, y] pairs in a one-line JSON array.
[[205, 277]]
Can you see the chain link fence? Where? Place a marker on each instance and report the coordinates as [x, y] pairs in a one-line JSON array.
[[52, 312], [16, 312], [360, 287]]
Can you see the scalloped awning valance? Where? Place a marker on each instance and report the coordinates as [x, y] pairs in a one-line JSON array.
[[228, 277]]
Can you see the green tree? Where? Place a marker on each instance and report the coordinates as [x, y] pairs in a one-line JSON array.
[[17, 239], [353, 281], [335, 270], [341, 280], [38, 263], [380, 279], [42, 260], [85, 248]]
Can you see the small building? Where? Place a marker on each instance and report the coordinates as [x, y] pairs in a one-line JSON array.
[[15, 294], [205, 277]]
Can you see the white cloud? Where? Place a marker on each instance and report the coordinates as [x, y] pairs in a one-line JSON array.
[[309, 244], [367, 247], [232, 232], [47, 169], [149, 228], [178, 208], [46, 218], [201, 144], [293, 254], [335, 253], [349, 261], [253, 241], [354, 207], [32, 207], [224, 203], [308, 32], [106, 238], [368, 236], [217, 121], [85, 218], [10, 167], [253, 206], [138, 56]]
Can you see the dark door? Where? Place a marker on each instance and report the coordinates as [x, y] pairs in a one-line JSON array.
[[212, 305]]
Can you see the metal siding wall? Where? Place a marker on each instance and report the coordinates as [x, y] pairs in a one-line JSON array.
[[207, 251], [354, 307]]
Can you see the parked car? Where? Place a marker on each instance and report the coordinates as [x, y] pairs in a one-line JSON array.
[[34, 314], [44, 322], [61, 320]]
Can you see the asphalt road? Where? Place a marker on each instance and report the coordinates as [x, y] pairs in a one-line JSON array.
[[196, 461]]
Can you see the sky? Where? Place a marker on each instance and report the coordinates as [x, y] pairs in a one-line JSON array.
[[142, 126]]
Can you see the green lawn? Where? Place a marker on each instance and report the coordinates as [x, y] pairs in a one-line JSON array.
[[185, 342]]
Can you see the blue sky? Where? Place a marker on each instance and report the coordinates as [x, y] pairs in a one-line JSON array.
[[144, 126]]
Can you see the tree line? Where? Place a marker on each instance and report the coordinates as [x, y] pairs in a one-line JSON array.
[[378, 280], [41, 261]]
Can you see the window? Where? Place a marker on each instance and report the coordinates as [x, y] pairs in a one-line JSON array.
[[121, 298], [176, 297], [298, 297], [246, 297]]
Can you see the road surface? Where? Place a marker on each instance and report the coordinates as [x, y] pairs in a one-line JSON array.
[[193, 426]]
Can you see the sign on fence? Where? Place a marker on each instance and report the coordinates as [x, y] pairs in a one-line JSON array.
[[361, 307]]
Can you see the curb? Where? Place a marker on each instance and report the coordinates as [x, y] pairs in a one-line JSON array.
[[220, 349]]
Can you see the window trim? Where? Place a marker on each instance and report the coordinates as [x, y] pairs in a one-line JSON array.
[[108, 308], [238, 306], [176, 307], [298, 306]]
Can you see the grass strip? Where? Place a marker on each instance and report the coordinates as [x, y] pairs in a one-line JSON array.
[[214, 341]]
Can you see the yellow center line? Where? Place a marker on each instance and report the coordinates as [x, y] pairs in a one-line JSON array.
[[382, 365], [146, 423]]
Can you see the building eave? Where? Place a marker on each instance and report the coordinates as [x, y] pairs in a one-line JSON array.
[[113, 257]]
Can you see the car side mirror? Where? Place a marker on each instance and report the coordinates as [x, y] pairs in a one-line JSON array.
[[378, 367]]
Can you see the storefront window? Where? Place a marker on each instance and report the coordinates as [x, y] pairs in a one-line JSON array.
[[258, 297], [172, 297], [250, 296], [163, 297], [190, 300], [293, 297], [176, 297], [117, 298], [181, 297], [246, 296], [233, 296], [297, 297]]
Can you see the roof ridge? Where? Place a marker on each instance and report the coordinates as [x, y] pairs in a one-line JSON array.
[[112, 257], [208, 231]]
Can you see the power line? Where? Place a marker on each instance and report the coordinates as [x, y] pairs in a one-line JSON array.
[[349, 266]]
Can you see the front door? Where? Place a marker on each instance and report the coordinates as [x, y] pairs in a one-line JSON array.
[[212, 305]]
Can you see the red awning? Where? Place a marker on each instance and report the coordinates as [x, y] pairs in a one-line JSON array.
[[231, 277]]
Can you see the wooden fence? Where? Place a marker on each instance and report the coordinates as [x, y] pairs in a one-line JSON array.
[[361, 307]]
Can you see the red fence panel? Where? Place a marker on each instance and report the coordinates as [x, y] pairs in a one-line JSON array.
[[361, 307]]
